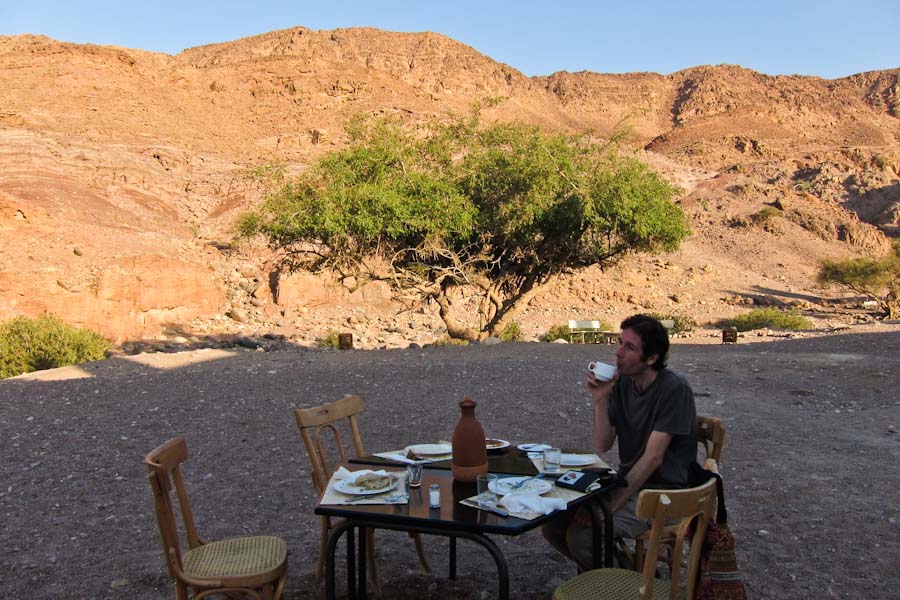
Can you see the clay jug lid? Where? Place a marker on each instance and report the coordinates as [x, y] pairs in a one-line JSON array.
[[467, 402]]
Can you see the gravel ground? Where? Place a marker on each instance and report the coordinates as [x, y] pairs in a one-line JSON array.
[[811, 460]]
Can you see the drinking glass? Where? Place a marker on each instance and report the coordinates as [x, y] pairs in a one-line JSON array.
[[552, 456], [414, 475], [485, 495]]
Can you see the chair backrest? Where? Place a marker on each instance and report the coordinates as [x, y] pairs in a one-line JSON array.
[[314, 421], [663, 506], [164, 467], [711, 433]]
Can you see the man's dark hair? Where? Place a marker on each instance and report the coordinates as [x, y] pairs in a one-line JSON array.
[[654, 337]]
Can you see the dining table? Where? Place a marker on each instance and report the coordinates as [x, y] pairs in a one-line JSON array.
[[451, 519]]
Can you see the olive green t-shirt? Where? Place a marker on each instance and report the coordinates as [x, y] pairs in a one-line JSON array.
[[667, 405]]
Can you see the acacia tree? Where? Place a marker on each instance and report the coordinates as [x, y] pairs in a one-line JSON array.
[[875, 278], [497, 211]]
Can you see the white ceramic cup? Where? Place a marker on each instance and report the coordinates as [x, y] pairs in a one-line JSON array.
[[602, 371]]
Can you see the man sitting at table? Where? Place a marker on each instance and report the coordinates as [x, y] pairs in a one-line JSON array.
[[651, 411]]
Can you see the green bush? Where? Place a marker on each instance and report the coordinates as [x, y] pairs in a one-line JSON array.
[[683, 323], [511, 333], [765, 216], [558, 332], [45, 343], [769, 317], [449, 341], [329, 341]]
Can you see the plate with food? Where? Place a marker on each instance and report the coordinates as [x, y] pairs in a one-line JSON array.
[[523, 485], [430, 449], [495, 444], [368, 483], [576, 460]]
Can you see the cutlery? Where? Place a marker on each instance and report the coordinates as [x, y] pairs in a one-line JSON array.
[[494, 509], [363, 497], [519, 485], [393, 498]]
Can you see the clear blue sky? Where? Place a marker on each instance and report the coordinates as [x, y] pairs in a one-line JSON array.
[[827, 38]]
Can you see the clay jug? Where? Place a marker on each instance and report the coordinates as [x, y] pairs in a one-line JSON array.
[[469, 451]]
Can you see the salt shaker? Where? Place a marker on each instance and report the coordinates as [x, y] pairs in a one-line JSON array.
[[434, 496]]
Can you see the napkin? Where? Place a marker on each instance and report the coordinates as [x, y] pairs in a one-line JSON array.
[[351, 476], [522, 502]]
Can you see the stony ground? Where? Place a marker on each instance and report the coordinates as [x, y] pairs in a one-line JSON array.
[[812, 458]]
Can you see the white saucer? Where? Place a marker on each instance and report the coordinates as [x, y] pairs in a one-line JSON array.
[[576, 460], [533, 447], [430, 449]]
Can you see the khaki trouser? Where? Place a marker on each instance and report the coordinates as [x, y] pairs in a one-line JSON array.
[[576, 541]]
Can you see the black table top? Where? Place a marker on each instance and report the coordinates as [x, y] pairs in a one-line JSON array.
[[451, 516], [509, 460]]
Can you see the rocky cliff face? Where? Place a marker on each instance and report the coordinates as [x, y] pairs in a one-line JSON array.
[[121, 171]]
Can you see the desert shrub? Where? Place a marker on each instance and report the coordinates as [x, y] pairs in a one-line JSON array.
[[45, 343], [683, 323], [558, 332], [803, 186], [764, 216], [768, 317], [512, 332], [449, 341], [329, 341]]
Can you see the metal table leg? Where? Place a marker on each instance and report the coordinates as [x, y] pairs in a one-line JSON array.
[[452, 557], [338, 531], [330, 549], [361, 577], [603, 553]]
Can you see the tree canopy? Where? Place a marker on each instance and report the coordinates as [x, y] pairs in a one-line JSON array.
[[498, 210], [876, 278]]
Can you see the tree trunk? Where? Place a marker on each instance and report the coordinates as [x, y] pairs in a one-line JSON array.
[[455, 329], [512, 307]]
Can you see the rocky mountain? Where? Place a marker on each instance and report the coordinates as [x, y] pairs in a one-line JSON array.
[[122, 171]]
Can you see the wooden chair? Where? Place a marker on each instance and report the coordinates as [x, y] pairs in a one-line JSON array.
[[711, 435], [312, 422], [253, 566], [661, 506]]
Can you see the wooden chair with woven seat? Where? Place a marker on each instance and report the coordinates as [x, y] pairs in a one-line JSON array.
[[711, 435], [312, 422], [253, 566], [661, 506]]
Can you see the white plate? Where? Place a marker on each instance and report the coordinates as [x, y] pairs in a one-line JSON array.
[[576, 460], [532, 486], [430, 449], [348, 488], [500, 444], [533, 447]]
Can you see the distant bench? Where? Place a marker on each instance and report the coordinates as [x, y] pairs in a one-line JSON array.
[[590, 331]]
